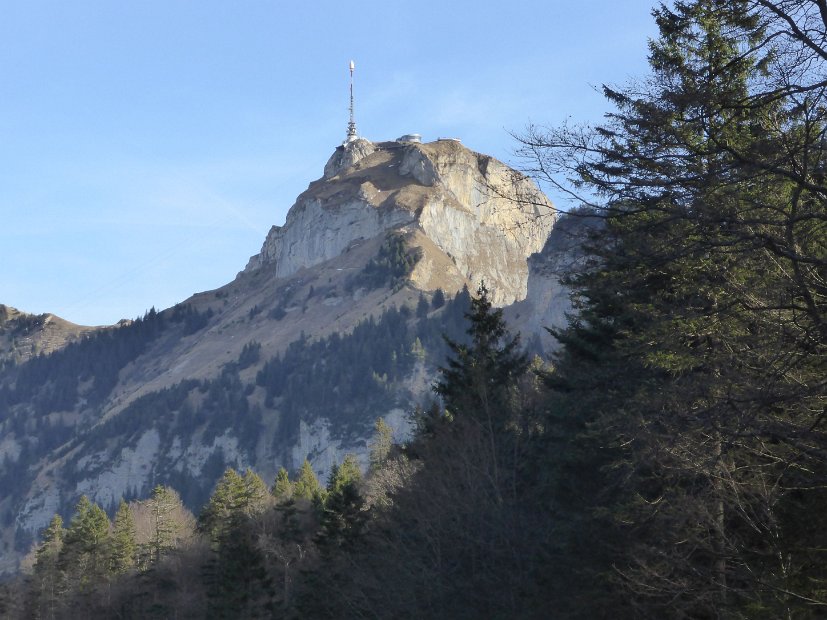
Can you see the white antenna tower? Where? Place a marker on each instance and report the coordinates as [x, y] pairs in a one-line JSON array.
[[351, 126]]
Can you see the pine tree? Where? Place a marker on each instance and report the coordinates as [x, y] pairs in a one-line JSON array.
[[123, 546], [282, 487], [689, 385], [380, 446], [166, 527], [422, 307], [84, 556], [225, 503], [439, 299], [236, 578], [256, 493], [307, 484], [47, 579], [480, 379], [235, 498]]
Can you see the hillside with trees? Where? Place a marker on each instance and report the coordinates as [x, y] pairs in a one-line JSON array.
[[669, 462]]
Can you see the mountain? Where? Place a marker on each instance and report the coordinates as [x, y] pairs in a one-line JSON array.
[[23, 335], [336, 322]]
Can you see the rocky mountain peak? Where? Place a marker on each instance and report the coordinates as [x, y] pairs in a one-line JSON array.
[[485, 217]]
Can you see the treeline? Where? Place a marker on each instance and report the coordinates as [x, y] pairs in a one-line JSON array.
[[36, 396], [84, 372], [350, 379], [672, 461], [53, 382], [446, 525], [347, 376]]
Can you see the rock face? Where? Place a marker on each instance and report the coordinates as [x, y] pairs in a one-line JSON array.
[[548, 301], [486, 217]]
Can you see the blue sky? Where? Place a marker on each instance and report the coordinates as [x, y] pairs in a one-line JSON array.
[[147, 147]]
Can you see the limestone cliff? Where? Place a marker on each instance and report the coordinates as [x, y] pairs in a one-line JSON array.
[[486, 217], [548, 300]]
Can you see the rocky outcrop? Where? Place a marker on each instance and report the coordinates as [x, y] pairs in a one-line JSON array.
[[548, 302], [347, 155], [23, 336], [486, 217]]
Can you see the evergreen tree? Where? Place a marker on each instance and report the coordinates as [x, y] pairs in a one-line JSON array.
[[307, 484], [282, 487], [84, 556], [481, 377], [345, 474], [166, 527], [226, 502], [689, 385], [235, 498], [439, 299], [123, 546], [422, 307], [236, 578], [380, 446], [47, 582]]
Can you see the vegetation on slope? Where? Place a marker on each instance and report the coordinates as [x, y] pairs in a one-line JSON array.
[[671, 463]]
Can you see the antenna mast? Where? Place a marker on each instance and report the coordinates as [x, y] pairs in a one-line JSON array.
[[351, 126]]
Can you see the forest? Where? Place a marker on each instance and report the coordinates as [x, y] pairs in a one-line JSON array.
[[669, 462]]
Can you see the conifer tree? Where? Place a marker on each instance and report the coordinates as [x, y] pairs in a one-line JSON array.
[[342, 516], [47, 579], [282, 487], [226, 502], [123, 546], [236, 578], [235, 498], [346, 473], [479, 381], [256, 493], [86, 543], [381, 444], [307, 484], [164, 507], [689, 386]]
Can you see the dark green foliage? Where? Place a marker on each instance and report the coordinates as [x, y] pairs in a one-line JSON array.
[[123, 550], [237, 581], [192, 319], [463, 533], [51, 382], [84, 555], [313, 378], [47, 583], [307, 485], [390, 268], [438, 300], [235, 498], [481, 377], [381, 444], [236, 578], [342, 516], [692, 388], [422, 307], [250, 354]]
